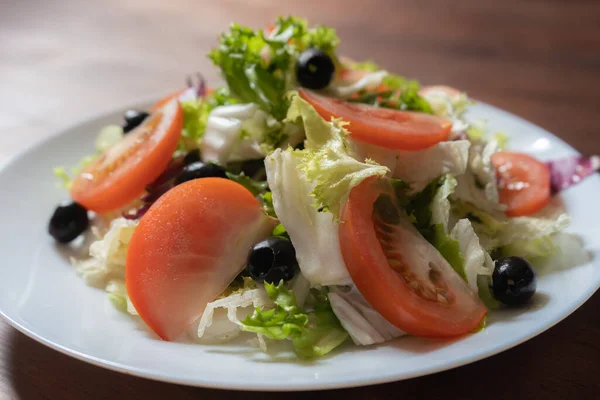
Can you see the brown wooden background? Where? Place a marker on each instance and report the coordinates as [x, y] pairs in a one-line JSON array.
[[61, 61]]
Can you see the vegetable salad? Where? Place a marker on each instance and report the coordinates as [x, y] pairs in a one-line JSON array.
[[313, 199]]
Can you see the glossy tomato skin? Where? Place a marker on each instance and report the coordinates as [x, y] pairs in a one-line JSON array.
[[385, 259], [523, 183], [392, 129], [121, 174], [188, 248]]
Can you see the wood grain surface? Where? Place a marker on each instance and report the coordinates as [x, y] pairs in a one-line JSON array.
[[63, 61]]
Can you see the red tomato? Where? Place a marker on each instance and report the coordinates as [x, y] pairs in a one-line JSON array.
[[403, 130], [188, 248], [120, 174], [523, 183], [399, 272]]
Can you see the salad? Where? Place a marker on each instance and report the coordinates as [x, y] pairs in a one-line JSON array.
[[313, 199]]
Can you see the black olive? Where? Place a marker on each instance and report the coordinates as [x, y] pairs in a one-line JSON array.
[[191, 157], [200, 170], [68, 221], [513, 281], [133, 119], [314, 69], [272, 260]]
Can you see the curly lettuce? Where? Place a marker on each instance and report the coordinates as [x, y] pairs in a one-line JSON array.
[[313, 333], [328, 159], [447, 103], [259, 67], [314, 234]]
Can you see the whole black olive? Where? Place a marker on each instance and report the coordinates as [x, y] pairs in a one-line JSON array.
[[273, 260], [69, 220], [513, 281], [314, 69]]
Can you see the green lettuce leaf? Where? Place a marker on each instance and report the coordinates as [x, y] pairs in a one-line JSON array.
[[523, 236], [479, 265], [484, 284], [195, 115], [257, 188], [280, 230], [449, 248], [430, 209], [267, 202], [502, 139], [260, 68], [313, 333], [327, 159], [117, 295]]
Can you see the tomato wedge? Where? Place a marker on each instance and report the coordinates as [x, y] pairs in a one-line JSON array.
[[188, 248], [394, 129], [120, 175], [399, 272], [523, 183]]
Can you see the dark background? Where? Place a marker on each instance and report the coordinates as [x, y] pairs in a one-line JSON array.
[[61, 61]]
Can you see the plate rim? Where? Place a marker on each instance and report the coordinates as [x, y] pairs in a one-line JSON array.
[[337, 383]]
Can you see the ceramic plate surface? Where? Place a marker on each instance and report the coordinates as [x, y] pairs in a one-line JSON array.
[[41, 295]]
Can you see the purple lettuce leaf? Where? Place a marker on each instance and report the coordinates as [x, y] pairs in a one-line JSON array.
[[569, 171]]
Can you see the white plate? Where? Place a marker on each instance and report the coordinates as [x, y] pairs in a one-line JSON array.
[[41, 295]]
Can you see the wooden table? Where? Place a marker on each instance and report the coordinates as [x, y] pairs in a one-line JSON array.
[[62, 61]]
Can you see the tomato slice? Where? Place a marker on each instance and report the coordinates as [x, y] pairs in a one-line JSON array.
[[399, 272], [394, 129], [523, 183], [188, 248], [120, 175]]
